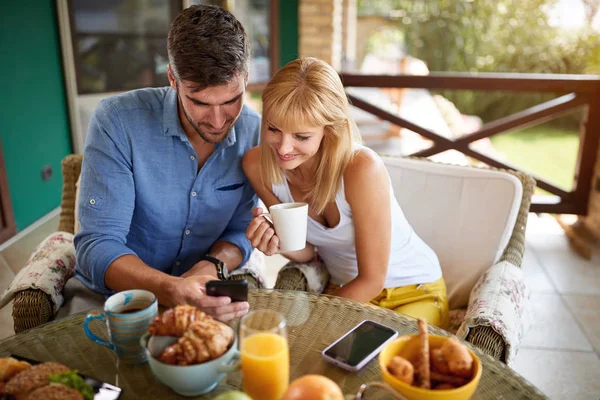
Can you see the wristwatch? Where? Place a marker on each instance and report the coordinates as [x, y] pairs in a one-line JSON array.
[[222, 271]]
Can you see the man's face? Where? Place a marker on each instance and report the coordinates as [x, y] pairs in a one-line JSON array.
[[211, 112]]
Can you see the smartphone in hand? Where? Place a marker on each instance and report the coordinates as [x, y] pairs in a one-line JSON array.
[[236, 289]]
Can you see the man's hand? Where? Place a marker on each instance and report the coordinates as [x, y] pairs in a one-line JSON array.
[[192, 290], [202, 267]]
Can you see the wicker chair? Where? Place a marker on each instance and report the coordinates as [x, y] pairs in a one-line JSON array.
[[484, 337], [33, 307]]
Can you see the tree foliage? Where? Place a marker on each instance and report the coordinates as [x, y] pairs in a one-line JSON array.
[[490, 36]]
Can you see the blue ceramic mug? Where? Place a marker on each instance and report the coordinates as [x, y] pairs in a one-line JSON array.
[[127, 315]]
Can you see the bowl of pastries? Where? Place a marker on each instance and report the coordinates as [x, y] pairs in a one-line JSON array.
[[429, 367], [188, 350], [49, 380]]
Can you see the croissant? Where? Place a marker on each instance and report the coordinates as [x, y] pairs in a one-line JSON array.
[[205, 340], [201, 338], [175, 321]]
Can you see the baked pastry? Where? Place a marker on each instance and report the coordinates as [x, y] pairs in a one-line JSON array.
[[402, 369], [175, 321], [32, 378], [10, 367], [459, 359], [422, 369], [202, 338]]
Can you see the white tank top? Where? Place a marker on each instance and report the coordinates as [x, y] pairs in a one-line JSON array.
[[411, 260]]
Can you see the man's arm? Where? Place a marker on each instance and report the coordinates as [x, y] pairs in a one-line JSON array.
[[106, 198]]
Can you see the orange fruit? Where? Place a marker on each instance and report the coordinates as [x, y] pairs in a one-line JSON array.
[[313, 387]]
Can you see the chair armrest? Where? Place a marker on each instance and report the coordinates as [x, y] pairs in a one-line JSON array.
[[71, 168], [515, 248], [488, 340], [37, 288], [31, 307], [497, 315]]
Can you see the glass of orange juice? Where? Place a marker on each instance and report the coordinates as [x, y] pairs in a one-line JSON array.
[[265, 355]]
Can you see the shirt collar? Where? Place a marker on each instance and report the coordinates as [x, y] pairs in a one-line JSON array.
[[172, 125]]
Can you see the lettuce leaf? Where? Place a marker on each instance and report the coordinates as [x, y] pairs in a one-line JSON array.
[[73, 380]]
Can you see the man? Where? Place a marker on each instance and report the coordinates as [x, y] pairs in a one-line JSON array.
[[164, 204]]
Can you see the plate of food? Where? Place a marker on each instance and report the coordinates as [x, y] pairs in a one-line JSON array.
[[22, 378]]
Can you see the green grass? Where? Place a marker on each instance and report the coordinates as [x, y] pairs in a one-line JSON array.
[[550, 153]]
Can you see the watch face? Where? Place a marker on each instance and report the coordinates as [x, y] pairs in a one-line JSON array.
[[223, 271]]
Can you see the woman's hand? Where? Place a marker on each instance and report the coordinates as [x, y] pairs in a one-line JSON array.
[[262, 235]]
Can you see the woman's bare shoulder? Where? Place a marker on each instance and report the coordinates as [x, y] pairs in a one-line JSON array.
[[251, 161], [365, 164]]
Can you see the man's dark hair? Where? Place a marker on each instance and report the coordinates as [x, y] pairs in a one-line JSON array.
[[208, 46]]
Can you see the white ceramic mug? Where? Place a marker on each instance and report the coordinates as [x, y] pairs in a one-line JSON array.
[[289, 221]]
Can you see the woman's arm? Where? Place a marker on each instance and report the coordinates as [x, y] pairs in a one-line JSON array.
[[367, 191], [260, 231]]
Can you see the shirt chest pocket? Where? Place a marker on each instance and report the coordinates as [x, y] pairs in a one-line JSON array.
[[229, 194]]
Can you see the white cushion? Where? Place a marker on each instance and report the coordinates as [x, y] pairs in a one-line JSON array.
[[466, 215]]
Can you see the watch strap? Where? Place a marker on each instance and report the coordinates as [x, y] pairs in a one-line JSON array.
[[222, 272]]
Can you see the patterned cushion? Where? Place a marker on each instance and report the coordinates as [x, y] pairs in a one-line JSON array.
[[500, 300], [49, 267]]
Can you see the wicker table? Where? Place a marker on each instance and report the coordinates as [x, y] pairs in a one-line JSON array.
[[313, 323]]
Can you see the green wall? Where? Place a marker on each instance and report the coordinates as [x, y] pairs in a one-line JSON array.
[[34, 127], [288, 31]]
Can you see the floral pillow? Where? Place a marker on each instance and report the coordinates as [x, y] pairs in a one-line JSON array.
[[48, 269], [500, 300]]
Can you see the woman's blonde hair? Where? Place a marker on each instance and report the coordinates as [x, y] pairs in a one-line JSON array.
[[309, 92]]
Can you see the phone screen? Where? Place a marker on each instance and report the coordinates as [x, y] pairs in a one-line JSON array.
[[360, 342]]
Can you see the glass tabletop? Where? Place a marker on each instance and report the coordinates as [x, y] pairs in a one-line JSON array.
[[314, 322]]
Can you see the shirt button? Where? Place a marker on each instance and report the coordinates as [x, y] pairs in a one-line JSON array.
[[187, 232], [193, 193], [178, 263], [192, 158], [92, 201]]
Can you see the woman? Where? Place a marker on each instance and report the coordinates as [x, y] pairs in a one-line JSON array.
[[310, 151]]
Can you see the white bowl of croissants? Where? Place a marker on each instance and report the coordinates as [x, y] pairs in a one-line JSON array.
[[189, 351]]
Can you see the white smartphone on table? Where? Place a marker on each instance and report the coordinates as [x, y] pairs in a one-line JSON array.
[[359, 346]]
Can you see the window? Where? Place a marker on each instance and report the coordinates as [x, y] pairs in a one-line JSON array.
[[121, 45], [255, 17]]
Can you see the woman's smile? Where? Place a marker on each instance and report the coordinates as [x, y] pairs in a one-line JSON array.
[[287, 157]]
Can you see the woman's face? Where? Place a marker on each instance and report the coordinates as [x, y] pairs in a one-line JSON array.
[[295, 146]]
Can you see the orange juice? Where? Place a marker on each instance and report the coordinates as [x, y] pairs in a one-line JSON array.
[[265, 366]]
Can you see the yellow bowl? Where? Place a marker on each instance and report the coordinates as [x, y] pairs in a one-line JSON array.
[[407, 347]]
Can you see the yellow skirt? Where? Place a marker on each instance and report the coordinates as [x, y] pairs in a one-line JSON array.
[[427, 300]]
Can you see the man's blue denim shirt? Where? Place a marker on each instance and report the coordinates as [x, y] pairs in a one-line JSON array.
[[141, 192]]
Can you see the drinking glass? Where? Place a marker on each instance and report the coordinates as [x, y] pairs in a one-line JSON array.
[[265, 355]]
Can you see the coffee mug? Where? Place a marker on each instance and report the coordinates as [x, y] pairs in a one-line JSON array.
[[188, 380], [289, 221], [127, 315]]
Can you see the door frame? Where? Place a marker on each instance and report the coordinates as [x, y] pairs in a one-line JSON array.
[[8, 227]]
